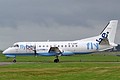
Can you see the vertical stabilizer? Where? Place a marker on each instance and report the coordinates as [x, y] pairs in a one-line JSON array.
[[110, 30]]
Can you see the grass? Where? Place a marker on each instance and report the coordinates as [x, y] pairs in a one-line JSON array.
[[101, 66], [61, 71]]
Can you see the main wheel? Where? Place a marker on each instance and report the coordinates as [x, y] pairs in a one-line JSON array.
[[56, 60], [14, 60]]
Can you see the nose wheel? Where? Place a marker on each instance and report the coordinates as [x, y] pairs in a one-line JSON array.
[[56, 60]]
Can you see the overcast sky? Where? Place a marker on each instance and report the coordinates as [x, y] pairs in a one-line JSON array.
[[42, 20]]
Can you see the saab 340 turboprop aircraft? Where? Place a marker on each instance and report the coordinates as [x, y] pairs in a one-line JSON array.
[[101, 42]]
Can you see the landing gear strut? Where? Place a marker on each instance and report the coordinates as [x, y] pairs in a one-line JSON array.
[[56, 60]]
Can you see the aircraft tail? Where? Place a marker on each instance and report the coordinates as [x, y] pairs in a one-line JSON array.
[[107, 36]]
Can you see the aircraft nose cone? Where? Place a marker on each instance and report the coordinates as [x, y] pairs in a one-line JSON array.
[[4, 52]]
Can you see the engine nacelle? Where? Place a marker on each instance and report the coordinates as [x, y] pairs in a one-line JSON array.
[[67, 53], [9, 56]]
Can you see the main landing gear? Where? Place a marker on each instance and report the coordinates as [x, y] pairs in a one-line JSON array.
[[14, 60], [56, 60]]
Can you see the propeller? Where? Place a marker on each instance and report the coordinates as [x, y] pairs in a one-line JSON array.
[[35, 51]]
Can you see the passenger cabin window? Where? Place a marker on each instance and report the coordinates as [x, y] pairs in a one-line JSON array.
[[65, 45], [61, 45], [68, 45], [76, 46]]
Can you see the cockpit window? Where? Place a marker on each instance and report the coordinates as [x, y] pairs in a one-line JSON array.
[[16, 45]]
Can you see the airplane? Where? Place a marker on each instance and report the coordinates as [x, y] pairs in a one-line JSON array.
[[104, 41]]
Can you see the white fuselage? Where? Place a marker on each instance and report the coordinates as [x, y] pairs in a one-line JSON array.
[[66, 47]]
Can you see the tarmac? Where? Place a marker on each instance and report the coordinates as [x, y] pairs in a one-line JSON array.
[[5, 63]]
